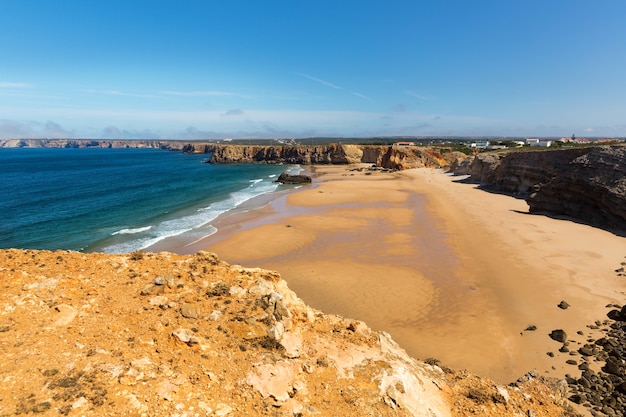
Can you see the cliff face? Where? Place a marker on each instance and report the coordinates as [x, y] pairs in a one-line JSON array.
[[584, 183], [165, 334], [592, 189], [384, 156], [412, 157], [305, 155], [517, 172]]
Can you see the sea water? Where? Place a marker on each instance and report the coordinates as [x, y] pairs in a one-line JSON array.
[[119, 200]]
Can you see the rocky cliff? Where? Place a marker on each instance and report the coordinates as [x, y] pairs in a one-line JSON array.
[[588, 184], [164, 334], [304, 155], [389, 157]]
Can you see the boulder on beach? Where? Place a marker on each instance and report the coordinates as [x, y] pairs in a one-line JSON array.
[[286, 178], [559, 335]]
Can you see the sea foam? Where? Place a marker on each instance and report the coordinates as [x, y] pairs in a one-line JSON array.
[[194, 226], [132, 231]]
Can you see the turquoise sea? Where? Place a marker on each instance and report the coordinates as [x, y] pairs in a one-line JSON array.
[[119, 200]]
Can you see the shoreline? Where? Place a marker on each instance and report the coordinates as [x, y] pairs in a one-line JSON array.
[[231, 218], [450, 271], [259, 210]]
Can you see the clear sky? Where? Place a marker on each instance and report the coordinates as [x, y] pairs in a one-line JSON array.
[[292, 68]]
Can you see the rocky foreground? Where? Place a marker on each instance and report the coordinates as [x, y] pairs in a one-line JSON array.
[[164, 334]]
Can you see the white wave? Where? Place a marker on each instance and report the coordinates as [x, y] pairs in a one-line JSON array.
[[197, 223], [132, 231], [294, 169]]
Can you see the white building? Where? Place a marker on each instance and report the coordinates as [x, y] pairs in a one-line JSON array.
[[539, 142], [481, 144]]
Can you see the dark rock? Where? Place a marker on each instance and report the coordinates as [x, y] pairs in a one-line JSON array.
[[586, 350], [563, 305], [612, 366], [577, 398], [189, 148], [558, 335], [286, 178], [616, 315], [603, 392], [531, 328]]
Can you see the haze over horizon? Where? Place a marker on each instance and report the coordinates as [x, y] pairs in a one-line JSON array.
[[247, 69]]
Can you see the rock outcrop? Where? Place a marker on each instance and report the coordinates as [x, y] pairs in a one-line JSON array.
[[286, 178], [588, 184], [165, 334], [408, 157]]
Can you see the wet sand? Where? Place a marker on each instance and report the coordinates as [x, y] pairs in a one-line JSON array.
[[449, 270]]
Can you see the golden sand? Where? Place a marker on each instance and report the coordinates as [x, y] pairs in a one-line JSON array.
[[449, 270]]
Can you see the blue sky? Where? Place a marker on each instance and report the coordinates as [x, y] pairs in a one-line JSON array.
[[246, 69]]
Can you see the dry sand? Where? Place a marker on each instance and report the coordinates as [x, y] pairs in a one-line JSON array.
[[449, 270]]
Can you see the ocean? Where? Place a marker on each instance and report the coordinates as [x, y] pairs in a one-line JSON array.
[[119, 200]]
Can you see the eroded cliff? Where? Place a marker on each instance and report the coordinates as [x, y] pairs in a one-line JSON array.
[[305, 155], [390, 157], [588, 184], [165, 334]]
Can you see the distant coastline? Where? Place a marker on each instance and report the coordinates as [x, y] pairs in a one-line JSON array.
[[198, 145], [91, 143]]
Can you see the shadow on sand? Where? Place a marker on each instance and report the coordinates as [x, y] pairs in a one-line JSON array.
[[522, 196]]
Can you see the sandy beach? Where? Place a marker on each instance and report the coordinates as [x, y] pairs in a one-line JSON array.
[[449, 270]]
